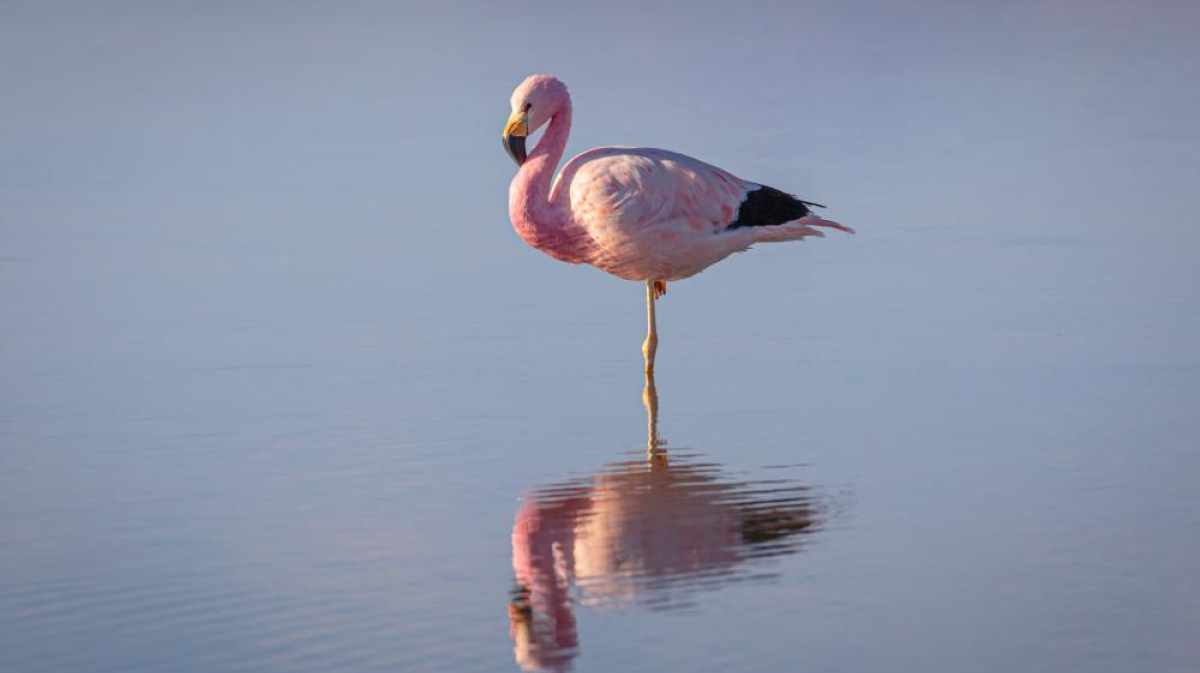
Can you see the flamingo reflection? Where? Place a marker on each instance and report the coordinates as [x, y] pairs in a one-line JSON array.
[[653, 532]]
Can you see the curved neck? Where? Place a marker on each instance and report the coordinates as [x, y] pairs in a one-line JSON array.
[[540, 223]]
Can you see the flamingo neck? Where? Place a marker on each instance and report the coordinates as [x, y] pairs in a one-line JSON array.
[[541, 223]]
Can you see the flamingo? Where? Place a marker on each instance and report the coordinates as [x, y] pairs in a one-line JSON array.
[[638, 213]]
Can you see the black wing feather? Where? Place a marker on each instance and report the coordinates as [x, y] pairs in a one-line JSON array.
[[767, 206]]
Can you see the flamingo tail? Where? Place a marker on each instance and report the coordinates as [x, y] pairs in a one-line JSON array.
[[799, 229]]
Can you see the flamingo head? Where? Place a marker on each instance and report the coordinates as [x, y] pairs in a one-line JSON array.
[[534, 102]]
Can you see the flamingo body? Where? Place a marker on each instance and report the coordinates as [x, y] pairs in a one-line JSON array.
[[652, 214]]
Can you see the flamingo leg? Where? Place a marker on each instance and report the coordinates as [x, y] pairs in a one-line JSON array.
[[651, 344]]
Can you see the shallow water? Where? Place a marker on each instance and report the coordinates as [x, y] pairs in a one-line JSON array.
[[283, 391]]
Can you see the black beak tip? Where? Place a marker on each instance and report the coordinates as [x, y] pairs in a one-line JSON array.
[[515, 146]]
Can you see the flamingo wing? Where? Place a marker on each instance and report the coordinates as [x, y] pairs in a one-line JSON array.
[[643, 187]]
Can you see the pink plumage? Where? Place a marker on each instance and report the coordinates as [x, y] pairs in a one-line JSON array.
[[638, 213], [652, 214]]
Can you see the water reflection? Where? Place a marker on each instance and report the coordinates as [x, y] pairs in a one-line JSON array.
[[652, 532]]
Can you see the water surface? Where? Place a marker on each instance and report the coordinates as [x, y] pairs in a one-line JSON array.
[[281, 388]]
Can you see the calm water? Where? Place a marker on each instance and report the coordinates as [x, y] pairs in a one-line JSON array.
[[282, 391]]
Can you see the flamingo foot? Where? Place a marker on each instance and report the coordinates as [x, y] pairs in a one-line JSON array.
[[660, 288]]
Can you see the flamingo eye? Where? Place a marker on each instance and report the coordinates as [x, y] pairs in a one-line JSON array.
[[527, 107]]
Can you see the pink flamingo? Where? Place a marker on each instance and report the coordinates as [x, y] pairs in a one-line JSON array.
[[638, 213]]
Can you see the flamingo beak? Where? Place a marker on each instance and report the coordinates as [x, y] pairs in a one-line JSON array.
[[514, 136]]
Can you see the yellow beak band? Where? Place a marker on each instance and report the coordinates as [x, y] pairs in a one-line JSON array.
[[518, 125]]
